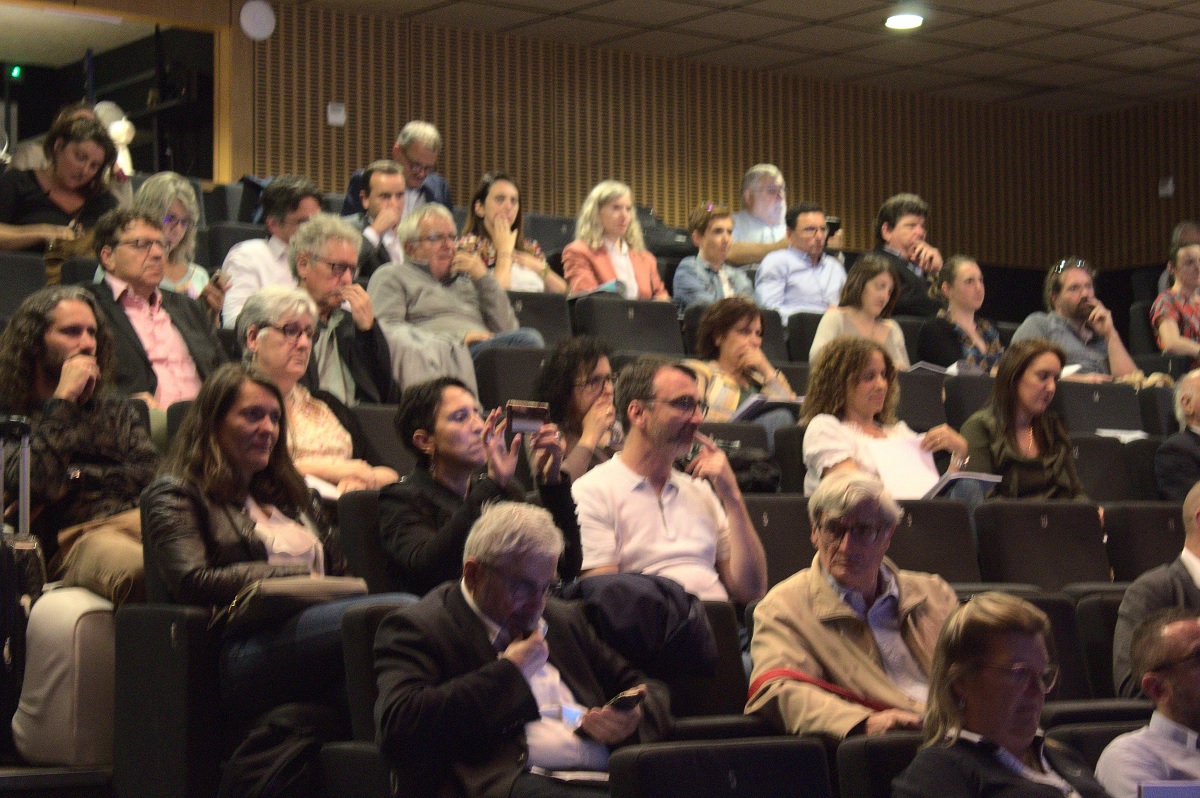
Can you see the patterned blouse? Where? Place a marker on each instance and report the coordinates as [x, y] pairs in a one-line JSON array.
[[313, 429], [985, 359], [1185, 313], [522, 279]]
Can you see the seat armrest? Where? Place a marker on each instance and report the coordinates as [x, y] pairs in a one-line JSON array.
[[355, 769]]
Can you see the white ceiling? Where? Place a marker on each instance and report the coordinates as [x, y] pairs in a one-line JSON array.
[[1067, 55], [53, 38]]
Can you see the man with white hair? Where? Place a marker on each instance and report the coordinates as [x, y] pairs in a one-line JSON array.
[[845, 647], [489, 686], [759, 227], [1177, 461], [416, 149]]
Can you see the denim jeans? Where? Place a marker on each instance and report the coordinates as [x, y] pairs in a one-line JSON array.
[[523, 337]]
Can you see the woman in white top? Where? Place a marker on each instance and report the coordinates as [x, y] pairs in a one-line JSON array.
[[608, 246], [851, 401], [865, 310]]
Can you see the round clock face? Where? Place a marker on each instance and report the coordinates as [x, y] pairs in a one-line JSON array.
[[258, 19]]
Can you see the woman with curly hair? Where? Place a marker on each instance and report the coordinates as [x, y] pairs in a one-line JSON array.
[[577, 382], [850, 403], [608, 246]]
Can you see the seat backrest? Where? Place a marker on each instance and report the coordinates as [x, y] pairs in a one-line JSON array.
[[1060, 713], [723, 693], [378, 422], [79, 270], [1090, 739], [552, 233], [1141, 536], [736, 434], [1100, 464], [789, 454], [1068, 650], [634, 325], [359, 624], [1087, 407], [175, 415], [1158, 411], [505, 372], [547, 313], [774, 341], [1045, 543], [1139, 463], [222, 237], [358, 529], [920, 403], [24, 273], [764, 767], [781, 520], [911, 327], [966, 393], [801, 330], [691, 324], [935, 537], [866, 765], [1141, 332], [797, 376], [1096, 618]]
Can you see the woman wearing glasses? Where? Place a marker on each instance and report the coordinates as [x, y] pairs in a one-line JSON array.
[[991, 673], [850, 403], [464, 461], [495, 231], [276, 329], [577, 383], [608, 246], [170, 197]]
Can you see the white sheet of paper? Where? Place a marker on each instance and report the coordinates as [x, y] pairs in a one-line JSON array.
[[906, 470]]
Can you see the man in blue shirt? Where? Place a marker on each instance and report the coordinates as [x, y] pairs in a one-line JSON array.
[[802, 277], [705, 278]]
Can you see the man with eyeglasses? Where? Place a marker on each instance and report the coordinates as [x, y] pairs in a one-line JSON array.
[[165, 345], [1174, 585], [1165, 652], [638, 513], [802, 277], [350, 354], [416, 150], [845, 646], [491, 686], [759, 228]]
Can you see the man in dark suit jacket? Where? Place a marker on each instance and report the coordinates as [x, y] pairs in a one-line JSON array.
[[350, 356], [416, 149], [165, 344], [1173, 585], [382, 209], [1177, 461], [485, 679], [900, 237]]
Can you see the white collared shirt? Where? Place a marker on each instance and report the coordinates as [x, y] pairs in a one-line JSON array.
[[1049, 776]]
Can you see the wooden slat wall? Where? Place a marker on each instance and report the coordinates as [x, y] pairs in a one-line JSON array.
[[1009, 185]]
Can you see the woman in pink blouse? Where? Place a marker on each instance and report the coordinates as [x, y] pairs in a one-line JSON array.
[[277, 326], [608, 246], [1175, 314]]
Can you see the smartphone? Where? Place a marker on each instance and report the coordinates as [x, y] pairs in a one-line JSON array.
[[627, 700], [526, 417], [833, 223]]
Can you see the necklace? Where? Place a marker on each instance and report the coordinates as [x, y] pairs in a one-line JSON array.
[[1028, 447]]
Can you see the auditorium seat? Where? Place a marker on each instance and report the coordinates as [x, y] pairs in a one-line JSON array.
[[781, 521], [1100, 464], [1046, 543], [1141, 333], [934, 536], [801, 329], [866, 765], [358, 529], [503, 373], [911, 327], [552, 233], [964, 394], [1158, 411], [22, 273], [789, 454], [378, 422], [1086, 407], [79, 270], [797, 375], [1090, 739], [774, 342], [1142, 536], [644, 326], [547, 313], [920, 404], [223, 236], [1139, 461], [724, 692], [1096, 617], [1068, 651]]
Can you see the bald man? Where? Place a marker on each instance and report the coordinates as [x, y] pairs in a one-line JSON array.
[[1177, 461]]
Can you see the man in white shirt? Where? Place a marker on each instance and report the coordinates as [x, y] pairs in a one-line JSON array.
[[801, 278], [383, 208], [287, 202], [758, 228], [638, 513], [1166, 662]]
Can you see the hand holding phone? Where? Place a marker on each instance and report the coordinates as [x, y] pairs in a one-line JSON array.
[[627, 700]]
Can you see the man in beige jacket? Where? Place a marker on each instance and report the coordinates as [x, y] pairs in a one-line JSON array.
[[845, 647]]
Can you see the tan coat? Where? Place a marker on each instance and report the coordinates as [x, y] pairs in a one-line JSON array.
[[802, 624]]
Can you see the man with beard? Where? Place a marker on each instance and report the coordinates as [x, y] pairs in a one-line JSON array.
[[489, 687], [638, 513], [350, 356], [846, 646], [90, 453], [759, 228], [1079, 323]]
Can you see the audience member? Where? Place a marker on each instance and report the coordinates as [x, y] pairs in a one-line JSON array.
[[1016, 436], [495, 231], [463, 462], [1186, 232], [1079, 324], [577, 383], [759, 227], [165, 345], [851, 402], [608, 246], [1177, 461], [991, 672], [229, 510], [1165, 652], [170, 197], [900, 237], [287, 202], [416, 150], [800, 278], [382, 208], [1175, 585], [350, 355], [39, 208], [439, 295], [845, 646], [639, 514], [90, 452], [277, 328], [489, 686], [30, 153], [865, 310], [732, 367], [1175, 314], [706, 277], [956, 335]]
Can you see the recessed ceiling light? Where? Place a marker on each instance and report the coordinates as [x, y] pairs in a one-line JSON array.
[[904, 21]]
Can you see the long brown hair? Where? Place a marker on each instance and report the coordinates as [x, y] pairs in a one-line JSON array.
[[1013, 364], [839, 363], [67, 131]]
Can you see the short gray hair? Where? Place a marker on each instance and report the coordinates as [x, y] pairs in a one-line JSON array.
[[267, 306], [756, 173], [158, 194], [312, 236], [1192, 377], [840, 492], [419, 132], [410, 226], [513, 529]]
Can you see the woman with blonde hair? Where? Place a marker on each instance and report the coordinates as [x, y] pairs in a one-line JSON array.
[[608, 246]]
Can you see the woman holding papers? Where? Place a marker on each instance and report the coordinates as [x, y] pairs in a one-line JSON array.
[[850, 412], [732, 368], [1016, 436]]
